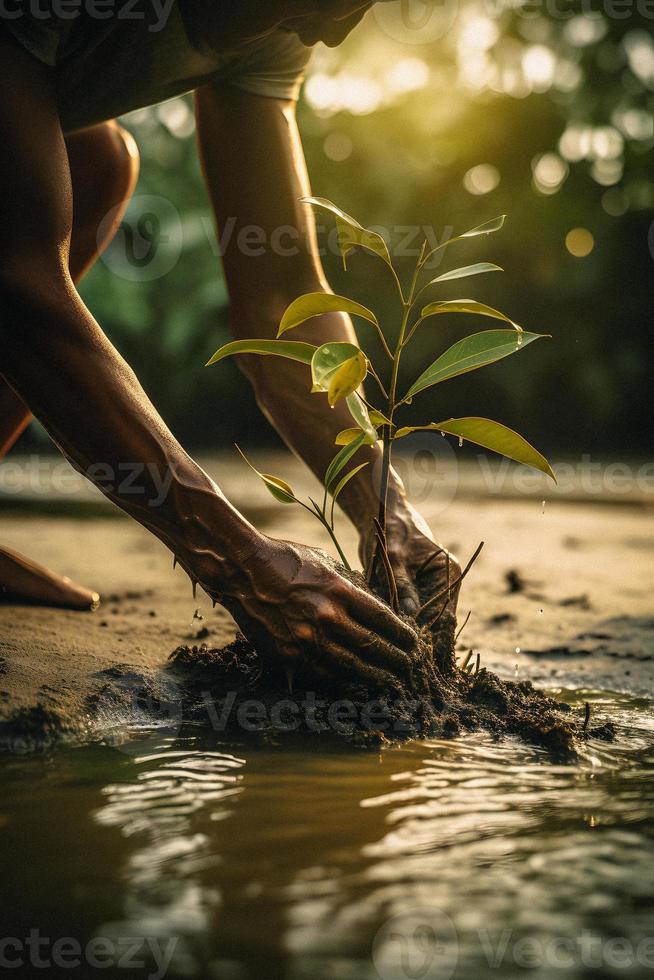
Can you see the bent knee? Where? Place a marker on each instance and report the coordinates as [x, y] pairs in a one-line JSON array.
[[104, 165]]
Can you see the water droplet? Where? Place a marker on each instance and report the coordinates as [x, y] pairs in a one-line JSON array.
[[443, 434], [517, 649], [542, 507], [516, 670], [409, 401], [460, 441], [520, 338], [540, 612]]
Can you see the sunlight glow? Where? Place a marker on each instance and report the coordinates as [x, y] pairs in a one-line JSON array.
[[549, 172], [538, 65]]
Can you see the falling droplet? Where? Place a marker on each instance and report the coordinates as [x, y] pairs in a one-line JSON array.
[[290, 674], [174, 561], [460, 441], [516, 670], [517, 649], [443, 434], [542, 506], [540, 612], [195, 588]]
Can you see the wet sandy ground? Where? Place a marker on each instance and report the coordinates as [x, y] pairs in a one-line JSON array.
[[562, 594]]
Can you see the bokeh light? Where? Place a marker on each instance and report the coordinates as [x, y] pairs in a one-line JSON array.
[[579, 242]]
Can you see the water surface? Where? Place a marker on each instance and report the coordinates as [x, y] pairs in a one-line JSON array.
[[199, 856]]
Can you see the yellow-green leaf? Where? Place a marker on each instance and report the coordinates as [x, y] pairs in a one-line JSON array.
[[347, 378], [342, 458], [291, 349], [350, 232], [346, 436], [314, 304], [359, 413], [471, 353], [279, 488], [327, 359], [466, 306], [346, 479], [489, 435], [467, 270]]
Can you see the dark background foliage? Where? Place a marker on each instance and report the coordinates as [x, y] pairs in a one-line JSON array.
[[546, 117]]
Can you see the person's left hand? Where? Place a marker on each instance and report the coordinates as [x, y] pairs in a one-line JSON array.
[[422, 568]]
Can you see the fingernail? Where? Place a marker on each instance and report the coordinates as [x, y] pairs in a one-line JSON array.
[[409, 605]]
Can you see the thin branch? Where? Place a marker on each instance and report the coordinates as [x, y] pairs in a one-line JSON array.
[[430, 602], [379, 381], [461, 628]]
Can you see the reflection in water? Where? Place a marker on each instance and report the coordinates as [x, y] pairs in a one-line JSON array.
[[165, 894], [435, 859]]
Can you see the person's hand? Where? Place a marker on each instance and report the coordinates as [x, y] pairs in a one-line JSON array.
[[422, 568], [297, 608]]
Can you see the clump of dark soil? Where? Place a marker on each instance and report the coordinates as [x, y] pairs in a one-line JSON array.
[[233, 688]]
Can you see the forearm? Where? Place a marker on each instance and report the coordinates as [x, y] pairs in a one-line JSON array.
[[59, 361], [304, 419]]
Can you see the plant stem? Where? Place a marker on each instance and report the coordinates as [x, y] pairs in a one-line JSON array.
[[392, 390], [332, 535]]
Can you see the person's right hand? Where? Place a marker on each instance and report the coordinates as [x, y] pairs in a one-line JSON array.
[[295, 606]]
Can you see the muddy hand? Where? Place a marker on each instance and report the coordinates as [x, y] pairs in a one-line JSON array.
[[421, 567], [296, 607]]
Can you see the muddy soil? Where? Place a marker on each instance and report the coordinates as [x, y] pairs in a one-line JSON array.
[[440, 696]]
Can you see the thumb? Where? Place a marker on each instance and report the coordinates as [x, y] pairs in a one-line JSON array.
[[406, 590]]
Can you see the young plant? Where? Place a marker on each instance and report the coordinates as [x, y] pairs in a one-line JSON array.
[[339, 368]]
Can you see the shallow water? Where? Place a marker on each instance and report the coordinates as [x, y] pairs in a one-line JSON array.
[[201, 857]]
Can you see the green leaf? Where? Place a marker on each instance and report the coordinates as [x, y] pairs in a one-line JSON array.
[[314, 304], [359, 413], [485, 229], [327, 359], [350, 232], [291, 349], [488, 226], [342, 483], [466, 306], [378, 418], [279, 488], [467, 270], [347, 378], [489, 435], [342, 458], [471, 353], [346, 479], [346, 436]]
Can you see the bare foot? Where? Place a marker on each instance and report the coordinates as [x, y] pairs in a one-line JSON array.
[[22, 580]]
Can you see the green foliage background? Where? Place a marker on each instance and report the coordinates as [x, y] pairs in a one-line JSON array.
[[401, 160]]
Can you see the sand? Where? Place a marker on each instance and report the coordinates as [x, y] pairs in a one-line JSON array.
[[560, 595]]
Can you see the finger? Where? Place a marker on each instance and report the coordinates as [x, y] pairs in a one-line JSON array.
[[371, 648], [407, 592], [338, 660], [374, 615]]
